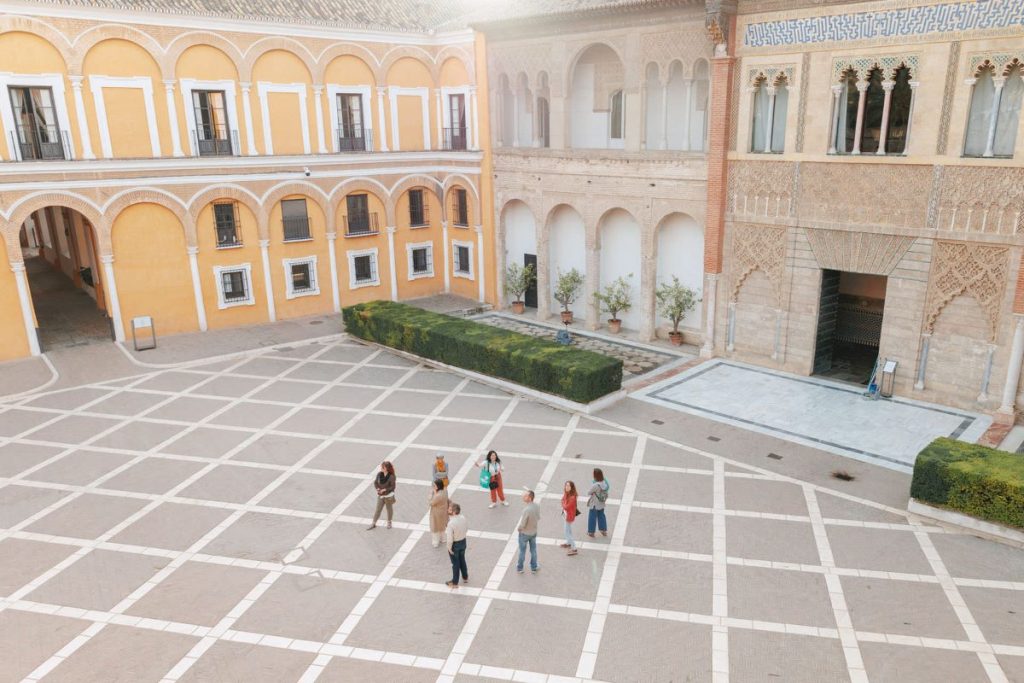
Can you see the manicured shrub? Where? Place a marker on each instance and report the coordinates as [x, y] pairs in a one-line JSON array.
[[982, 482], [573, 373]]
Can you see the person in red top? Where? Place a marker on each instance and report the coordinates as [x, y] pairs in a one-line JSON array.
[[569, 513]]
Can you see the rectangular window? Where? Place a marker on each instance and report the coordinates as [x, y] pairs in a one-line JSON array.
[[211, 123], [234, 283], [35, 123], [456, 133], [295, 219], [460, 207], [226, 225], [363, 268], [300, 277], [234, 286], [352, 134], [359, 220], [463, 260], [421, 260], [417, 209]]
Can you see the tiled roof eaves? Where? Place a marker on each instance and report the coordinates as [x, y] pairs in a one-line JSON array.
[[611, 8]]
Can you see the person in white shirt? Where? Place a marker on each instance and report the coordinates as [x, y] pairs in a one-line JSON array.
[[455, 539]]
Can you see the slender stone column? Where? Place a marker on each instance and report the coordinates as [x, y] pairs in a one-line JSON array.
[[862, 89], [769, 124], [172, 117], [197, 288], [922, 364], [1013, 370], [999, 82], [250, 133], [887, 86], [664, 114], [710, 293], [392, 262], [447, 257], [83, 123], [730, 335], [332, 238], [380, 120], [115, 303], [833, 131], [268, 284], [25, 299]]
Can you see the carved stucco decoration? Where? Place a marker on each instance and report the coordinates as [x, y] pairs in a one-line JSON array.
[[530, 59], [772, 74], [979, 199], [977, 270], [864, 65], [758, 247], [664, 48], [1000, 63], [865, 194], [761, 188], [858, 252]]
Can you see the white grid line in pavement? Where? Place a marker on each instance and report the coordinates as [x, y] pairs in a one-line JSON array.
[[719, 581]]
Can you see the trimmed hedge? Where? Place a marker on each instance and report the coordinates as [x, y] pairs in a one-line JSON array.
[[576, 374], [979, 481]]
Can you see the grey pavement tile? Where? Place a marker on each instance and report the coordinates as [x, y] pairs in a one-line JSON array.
[[639, 650], [411, 622], [172, 380], [310, 492], [382, 428], [18, 503], [356, 398], [228, 386], [526, 440], [69, 399], [1013, 667], [311, 420], [466, 407], [377, 377], [28, 639], [206, 442], [230, 483], [971, 557], [297, 351], [79, 468], [758, 656], [319, 372], [172, 526], [533, 413], [341, 670], [905, 664], [667, 530], [882, 549], [561, 576], [393, 360], [613, 448], [260, 536], [782, 596], [426, 563], [21, 561], [501, 519], [998, 612], [453, 434], [87, 516], [188, 408], [197, 593], [121, 653], [901, 607], [417, 463], [277, 449], [139, 436], [251, 415], [665, 455], [154, 475], [834, 507], [265, 367], [351, 548], [758, 495], [346, 353], [435, 380], [520, 636], [306, 607], [127, 403], [663, 583], [73, 429], [15, 421], [15, 458], [99, 580], [288, 391], [678, 489], [348, 456], [483, 390], [770, 539], [241, 663], [411, 402]]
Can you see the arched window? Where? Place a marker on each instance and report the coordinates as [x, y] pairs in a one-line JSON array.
[[995, 113], [616, 118], [872, 115], [845, 113], [768, 129], [874, 108], [899, 113]]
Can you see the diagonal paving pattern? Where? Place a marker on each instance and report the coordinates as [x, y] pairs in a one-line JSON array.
[[207, 523]]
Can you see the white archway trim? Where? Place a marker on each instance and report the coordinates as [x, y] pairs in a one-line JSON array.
[[394, 92], [143, 83], [53, 81], [26, 307], [115, 302], [190, 84], [262, 90], [155, 190]]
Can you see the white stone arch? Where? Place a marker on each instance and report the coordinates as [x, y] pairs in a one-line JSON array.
[[621, 255], [567, 249], [519, 226], [679, 251], [597, 74]]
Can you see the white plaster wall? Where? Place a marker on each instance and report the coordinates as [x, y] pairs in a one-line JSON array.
[[653, 134], [524, 103], [589, 128], [520, 232], [681, 253], [620, 257], [568, 250], [678, 117]]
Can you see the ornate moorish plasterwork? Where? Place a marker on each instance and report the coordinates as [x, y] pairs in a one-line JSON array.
[[865, 194], [977, 270], [513, 60], [685, 46], [1000, 63], [805, 69], [862, 66], [758, 247], [772, 74], [948, 96], [761, 188], [858, 252], [980, 200]]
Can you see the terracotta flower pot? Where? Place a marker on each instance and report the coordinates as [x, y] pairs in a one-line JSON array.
[[614, 326], [676, 338], [518, 307], [566, 317]]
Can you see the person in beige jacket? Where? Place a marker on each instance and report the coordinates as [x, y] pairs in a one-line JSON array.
[[438, 512]]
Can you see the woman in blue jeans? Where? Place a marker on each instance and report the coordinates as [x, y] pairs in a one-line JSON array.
[[598, 494]]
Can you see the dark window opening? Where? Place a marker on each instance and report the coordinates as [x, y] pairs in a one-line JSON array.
[[295, 219], [226, 225], [234, 285], [35, 122]]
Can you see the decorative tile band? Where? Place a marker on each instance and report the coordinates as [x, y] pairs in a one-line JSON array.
[[913, 21]]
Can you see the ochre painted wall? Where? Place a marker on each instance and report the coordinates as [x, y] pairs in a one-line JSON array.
[[345, 244], [410, 73], [129, 133], [485, 186], [13, 343], [315, 246], [151, 269], [24, 53], [210, 256], [453, 73], [410, 289], [279, 66]]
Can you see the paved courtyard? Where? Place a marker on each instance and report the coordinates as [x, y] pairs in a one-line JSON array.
[[208, 524]]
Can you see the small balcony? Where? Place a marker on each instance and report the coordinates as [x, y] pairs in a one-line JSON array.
[[356, 140], [227, 234], [41, 143], [359, 225], [455, 139], [296, 228], [207, 144]]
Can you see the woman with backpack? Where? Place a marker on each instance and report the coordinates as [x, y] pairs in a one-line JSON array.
[[597, 496], [494, 468], [569, 513]]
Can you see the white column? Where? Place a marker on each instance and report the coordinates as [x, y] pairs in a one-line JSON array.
[[380, 120], [833, 131], [910, 116], [392, 262], [335, 295], [730, 329], [887, 86], [474, 131], [447, 257], [318, 103], [687, 91], [83, 123], [537, 130], [440, 121], [480, 263], [115, 304], [1013, 370], [197, 289], [664, 115], [172, 117], [26, 307], [862, 90], [515, 118], [922, 364], [998, 82], [771, 90], [250, 134], [710, 292], [268, 284]]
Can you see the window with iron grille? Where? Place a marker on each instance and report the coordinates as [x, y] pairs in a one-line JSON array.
[[234, 285], [421, 260], [460, 207], [363, 268], [211, 123], [463, 258], [300, 277], [417, 209], [35, 123], [358, 218], [295, 219], [226, 223]]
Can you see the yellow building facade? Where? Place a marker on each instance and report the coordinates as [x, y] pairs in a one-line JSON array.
[[212, 172]]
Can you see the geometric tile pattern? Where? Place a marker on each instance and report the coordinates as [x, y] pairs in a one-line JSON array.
[[217, 546]]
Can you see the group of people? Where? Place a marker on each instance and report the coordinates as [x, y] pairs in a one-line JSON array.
[[448, 524]]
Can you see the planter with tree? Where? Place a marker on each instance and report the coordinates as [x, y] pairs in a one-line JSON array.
[[675, 300], [567, 288], [517, 280], [615, 298]]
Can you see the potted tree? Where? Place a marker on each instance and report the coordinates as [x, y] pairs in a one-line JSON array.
[[517, 280], [567, 288], [675, 300], [616, 297]]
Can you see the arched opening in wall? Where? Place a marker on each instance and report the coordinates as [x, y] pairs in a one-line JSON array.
[[524, 112], [958, 350], [654, 105], [542, 119], [506, 113], [621, 258], [597, 102], [995, 115], [59, 247], [675, 108], [681, 254], [521, 242], [567, 250], [697, 124]]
